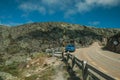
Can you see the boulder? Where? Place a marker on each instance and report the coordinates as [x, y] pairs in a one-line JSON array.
[[113, 43]]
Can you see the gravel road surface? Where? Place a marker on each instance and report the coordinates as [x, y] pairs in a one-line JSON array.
[[106, 61]]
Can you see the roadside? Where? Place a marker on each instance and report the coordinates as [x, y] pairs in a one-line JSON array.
[[106, 61], [39, 67]]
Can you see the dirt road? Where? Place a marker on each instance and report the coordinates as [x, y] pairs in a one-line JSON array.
[[106, 61]]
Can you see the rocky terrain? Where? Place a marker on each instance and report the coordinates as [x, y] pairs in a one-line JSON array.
[[114, 43], [19, 43], [39, 67], [36, 37]]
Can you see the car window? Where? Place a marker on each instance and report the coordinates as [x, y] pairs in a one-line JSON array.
[[70, 45]]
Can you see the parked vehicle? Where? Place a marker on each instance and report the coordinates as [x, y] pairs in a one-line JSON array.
[[70, 48]]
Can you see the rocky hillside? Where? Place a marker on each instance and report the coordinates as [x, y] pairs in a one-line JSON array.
[[114, 43], [19, 45], [36, 37]]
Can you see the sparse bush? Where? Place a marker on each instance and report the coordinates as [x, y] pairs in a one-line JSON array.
[[39, 36], [12, 68], [47, 74], [12, 49]]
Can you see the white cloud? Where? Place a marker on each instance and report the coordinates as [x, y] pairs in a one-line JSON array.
[[28, 7], [69, 7], [82, 7], [69, 12], [87, 5], [9, 23], [13, 23], [94, 23], [50, 2], [1, 23], [107, 3]]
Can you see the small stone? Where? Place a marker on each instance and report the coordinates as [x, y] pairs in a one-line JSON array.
[[38, 79], [38, 63], [27, 66], [28, 75]]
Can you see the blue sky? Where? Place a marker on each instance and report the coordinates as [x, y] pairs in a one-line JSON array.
[[99, 13]]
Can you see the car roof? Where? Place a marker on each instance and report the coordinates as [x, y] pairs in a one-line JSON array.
[[70, 45]]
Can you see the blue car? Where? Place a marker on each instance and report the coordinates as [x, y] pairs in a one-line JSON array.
[[70, 48]]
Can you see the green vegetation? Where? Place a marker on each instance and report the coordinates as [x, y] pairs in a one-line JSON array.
[[20, 69], [47, 74], [36, 37], [13, 49], [12, 68], [33, 77], [79, 72]]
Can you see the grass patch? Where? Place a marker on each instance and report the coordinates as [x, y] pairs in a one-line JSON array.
[[46, 75], [37, 55], [66, 75], [78, 72], [17, 68], [12, 68]]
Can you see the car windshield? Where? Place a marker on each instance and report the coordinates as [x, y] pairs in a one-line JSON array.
[[70, 45]]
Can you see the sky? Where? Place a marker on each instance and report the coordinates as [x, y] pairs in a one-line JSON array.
[[98, 13]]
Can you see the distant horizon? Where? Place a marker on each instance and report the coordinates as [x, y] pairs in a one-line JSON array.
[[97, 13], [60, 22]]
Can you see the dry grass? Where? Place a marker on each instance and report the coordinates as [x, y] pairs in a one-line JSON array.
[[41, 70]]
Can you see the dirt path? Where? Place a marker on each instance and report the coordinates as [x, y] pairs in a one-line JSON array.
[[106, 61], [59, 73]]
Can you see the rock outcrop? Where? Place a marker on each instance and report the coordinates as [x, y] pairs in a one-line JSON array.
[[113, 43]]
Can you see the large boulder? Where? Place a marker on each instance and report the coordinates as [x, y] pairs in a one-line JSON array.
[[113, 43]]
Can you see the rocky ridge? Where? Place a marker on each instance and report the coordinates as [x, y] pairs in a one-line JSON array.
[[36, 37], [18, 44]]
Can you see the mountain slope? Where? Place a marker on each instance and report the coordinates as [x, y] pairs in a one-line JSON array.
[[36, 37]]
